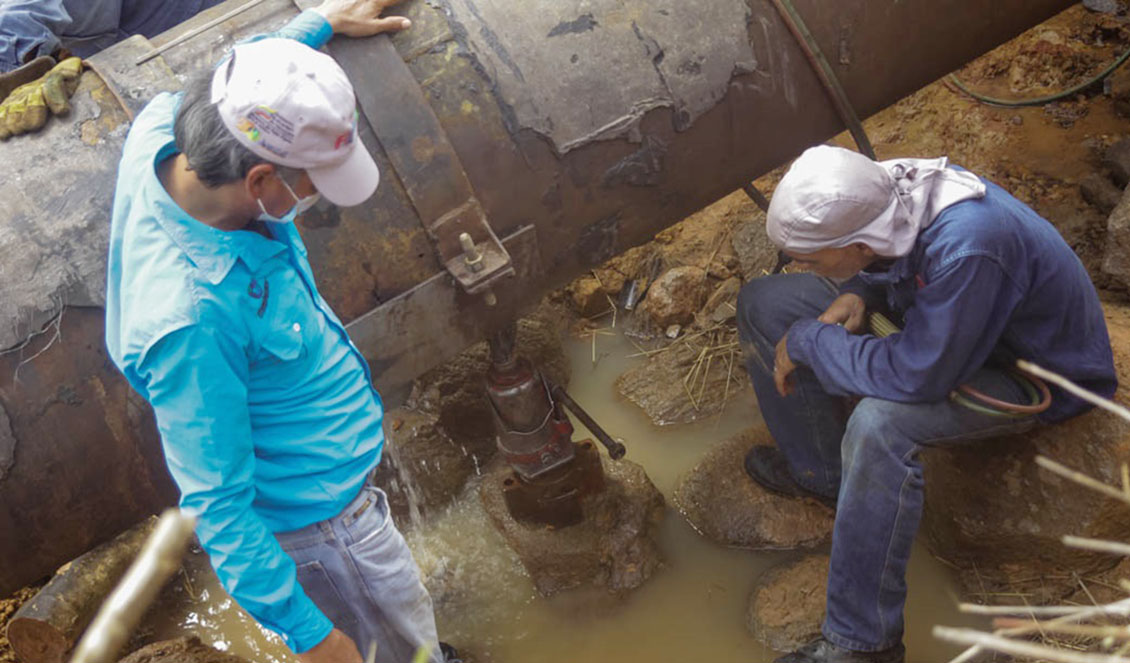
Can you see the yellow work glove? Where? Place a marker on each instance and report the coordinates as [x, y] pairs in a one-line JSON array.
[[25, 110]]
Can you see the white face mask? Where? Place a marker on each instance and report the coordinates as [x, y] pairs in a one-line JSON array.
[[300, 207]]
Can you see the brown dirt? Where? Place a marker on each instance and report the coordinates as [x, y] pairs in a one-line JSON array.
[[181, 650], [1039, 154], [8, 607]]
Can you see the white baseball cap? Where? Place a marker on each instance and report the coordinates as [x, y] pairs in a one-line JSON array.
[[294, 106]]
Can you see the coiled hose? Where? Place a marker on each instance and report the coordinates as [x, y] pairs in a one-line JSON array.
[[1039, 396]]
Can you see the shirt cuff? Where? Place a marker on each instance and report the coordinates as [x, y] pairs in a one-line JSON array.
[[315, 628], [315, 29], [801, 337]]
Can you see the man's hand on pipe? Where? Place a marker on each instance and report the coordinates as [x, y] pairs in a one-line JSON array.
[[847, 310], [361, 18]]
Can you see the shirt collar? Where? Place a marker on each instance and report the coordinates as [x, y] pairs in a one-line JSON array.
[[212, 250]]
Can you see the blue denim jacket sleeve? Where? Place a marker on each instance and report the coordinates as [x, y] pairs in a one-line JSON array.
[[196, 379], [948, 335]]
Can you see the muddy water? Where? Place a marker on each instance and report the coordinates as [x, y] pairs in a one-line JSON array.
[[692, 610]]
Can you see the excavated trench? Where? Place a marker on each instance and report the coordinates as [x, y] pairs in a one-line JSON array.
[[1063, 159]]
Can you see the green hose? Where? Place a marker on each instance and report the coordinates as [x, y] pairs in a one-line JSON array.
[[1040, 101]]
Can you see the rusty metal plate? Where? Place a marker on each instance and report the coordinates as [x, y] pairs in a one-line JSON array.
[[423, 158], [436, 320]]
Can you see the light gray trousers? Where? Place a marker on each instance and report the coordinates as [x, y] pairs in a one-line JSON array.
[[358, 570]]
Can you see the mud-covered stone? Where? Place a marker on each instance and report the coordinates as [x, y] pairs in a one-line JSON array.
[[727, 507], [1117, 162], [992, 512], [181, 650], [721, 306], [1099, 191], [1116, 256], [786, 607], [675, 387], [587, 296], [615, 546], [422, 468], [676, 296], [455, 391]]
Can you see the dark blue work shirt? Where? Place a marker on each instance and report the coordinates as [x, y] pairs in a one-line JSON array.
[[989, 281]]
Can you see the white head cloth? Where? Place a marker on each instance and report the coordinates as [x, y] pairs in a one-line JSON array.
[[832, 197]]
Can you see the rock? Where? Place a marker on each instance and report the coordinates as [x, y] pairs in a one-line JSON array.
[[455, 391], [422, 469], [727, 507], [756, 254], [660, 385], [181, 650], [786, 608], [1103, 6], [676, 296], [1099, 191], [1117, 161], [588, 297], [613, 548], [991, 512], [721, 306], [1116, 253]]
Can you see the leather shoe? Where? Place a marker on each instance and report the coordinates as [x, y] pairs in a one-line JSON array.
[[767, 466], [822, 651]]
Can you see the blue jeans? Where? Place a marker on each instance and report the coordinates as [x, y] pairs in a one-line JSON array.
[[868, 458], [358, 570]]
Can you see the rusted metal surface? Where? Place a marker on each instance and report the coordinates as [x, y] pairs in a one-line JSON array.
[[564, 196], [556, 498], [426, 164], [86, 462]]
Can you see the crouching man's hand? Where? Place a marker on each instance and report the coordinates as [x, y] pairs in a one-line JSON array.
[[847, 310], [783, 368], [361, 18], [336, 648]]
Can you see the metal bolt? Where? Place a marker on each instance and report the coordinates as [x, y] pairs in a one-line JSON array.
[[471, 255]]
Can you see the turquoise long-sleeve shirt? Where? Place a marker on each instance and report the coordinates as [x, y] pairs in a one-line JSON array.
[[266, 410]]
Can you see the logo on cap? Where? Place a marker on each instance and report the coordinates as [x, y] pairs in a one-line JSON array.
[[265, 122]]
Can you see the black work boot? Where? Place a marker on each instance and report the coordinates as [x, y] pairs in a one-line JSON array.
[[768, 468], [822, 651]]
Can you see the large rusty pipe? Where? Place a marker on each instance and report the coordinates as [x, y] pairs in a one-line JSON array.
[[582, 129]]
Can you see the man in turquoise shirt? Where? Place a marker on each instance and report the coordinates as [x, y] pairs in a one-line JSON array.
[[266, 410]]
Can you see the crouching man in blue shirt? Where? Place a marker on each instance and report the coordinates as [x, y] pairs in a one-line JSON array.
[[267, 414], [976, 280]]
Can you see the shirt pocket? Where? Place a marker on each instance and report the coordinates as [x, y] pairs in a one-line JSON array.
[[282, 345]]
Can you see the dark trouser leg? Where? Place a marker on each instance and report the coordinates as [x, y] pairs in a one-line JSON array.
[[807, 425], [880, 505]]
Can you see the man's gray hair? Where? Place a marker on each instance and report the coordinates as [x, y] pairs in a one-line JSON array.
[[213, 153]]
